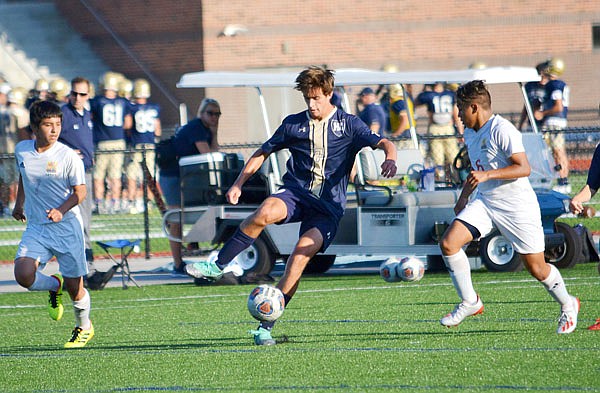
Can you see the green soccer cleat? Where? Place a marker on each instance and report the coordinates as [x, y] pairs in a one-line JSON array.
[[80, 337], [262, 336], [207, 269], [55, 306]]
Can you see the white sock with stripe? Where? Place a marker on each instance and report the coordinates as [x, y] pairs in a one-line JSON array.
[[555, 286], [460, 272], [82, 309]]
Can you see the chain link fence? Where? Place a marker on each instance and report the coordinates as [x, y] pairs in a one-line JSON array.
[[126, 210]]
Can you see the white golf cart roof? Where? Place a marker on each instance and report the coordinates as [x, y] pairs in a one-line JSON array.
[[358, 77]]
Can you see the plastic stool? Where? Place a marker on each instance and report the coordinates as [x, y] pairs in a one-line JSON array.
[[126, 247]]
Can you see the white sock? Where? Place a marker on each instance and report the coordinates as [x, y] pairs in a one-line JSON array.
[[82, 309], [43, 282], [555, 286], [460, 272]]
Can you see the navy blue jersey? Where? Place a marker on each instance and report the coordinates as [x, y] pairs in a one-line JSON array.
[[374, 113], [77, 133], [593, 179], [440, 105], [557, 90], [144, 122], [322, 154], [108, 115], [187, 136], [536, 94]]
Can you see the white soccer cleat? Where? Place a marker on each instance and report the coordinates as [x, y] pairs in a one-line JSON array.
[[462, 311], [567, 322]]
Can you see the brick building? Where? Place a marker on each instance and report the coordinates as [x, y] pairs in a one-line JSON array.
[[166, 39]]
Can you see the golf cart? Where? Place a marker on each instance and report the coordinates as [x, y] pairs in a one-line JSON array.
[[381, 219]]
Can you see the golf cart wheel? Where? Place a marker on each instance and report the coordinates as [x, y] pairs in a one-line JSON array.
[[319, 264], [257, 258], [498, 254], [566, 255]]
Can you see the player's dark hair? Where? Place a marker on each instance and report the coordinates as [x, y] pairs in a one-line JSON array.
[[315, 78], [40, 110], [474, 91]]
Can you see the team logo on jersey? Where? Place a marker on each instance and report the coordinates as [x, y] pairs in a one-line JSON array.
[[302, 129], [338, 127], [51, 168]]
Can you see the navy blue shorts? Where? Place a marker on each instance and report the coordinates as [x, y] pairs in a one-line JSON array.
[[310, 213]]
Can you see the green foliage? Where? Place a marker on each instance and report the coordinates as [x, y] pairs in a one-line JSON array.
[[352, 333]]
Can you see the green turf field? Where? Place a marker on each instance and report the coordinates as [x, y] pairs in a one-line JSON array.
[[353, 333]]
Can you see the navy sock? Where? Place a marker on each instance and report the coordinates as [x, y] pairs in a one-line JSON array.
[[269, 325], [238, 243]]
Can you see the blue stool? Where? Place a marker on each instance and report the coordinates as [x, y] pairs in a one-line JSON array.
[[126, 247]]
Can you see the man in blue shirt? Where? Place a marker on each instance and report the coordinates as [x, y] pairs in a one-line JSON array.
[[372, 114], [323, 142], [78, 135]]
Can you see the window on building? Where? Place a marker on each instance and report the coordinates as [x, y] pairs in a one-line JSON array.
[[596, 36]]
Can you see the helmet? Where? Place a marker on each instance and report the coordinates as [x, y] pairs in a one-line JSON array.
[[110, 81], [389, 68], [60, 88], [18, 95], [555, 67], [141, 88], [452, 86], [92, 92], [41, 85], [396, 90], [125, 88], [477, 65]]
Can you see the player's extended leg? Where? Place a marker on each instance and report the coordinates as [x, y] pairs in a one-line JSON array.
[[307, 247], [457, 262], [552, 280], [27, 275], [272, 210], [84, 330]]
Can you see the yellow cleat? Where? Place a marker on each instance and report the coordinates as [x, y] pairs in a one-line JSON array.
[[80, 337], [55, 306]]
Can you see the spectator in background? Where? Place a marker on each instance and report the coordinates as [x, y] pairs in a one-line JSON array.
[[372, 113], [402, 114], [553, 115], [78, 135], [443, 120], [40, 91], [111, 117], [536, 95], [7, 145], [146, 129], [199, 136]]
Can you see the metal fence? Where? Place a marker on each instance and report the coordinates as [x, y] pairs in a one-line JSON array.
[[121, 216]]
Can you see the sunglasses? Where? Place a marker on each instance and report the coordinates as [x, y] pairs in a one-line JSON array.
[[76, 93], [211, 113]]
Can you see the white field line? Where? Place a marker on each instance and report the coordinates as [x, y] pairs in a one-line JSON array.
[[525, 283]]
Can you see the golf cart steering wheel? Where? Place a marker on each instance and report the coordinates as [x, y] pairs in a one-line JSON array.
[[461, 166]]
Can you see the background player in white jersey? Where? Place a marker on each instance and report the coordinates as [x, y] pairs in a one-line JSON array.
[[505, 200], [51, 186]]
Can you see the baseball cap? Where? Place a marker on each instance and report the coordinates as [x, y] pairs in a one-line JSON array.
[[366, 90]]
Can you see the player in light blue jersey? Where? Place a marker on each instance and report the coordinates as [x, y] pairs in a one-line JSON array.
[[323, 142], [51, 186], [505, 200]]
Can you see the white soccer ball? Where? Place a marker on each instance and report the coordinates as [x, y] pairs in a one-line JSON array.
[[266, 303], [388, 269], [411, 269]]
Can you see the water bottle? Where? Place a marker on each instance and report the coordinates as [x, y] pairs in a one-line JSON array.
[[428, 179]]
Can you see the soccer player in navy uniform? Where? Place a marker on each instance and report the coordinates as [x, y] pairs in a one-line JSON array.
[[146, 128], [111, 116], [51, 186], [323, 142]]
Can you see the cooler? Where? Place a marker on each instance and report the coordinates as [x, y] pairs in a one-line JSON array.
[[205, 178]]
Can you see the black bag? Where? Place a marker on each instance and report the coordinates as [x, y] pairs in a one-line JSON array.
[[588, 249], [166, 156]]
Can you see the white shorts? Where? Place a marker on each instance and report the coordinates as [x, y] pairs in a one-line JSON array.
[[517, 220], [62, 239]]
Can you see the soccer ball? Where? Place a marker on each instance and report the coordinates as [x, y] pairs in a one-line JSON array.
[[388, 269], [411, 269], [266, 303]]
